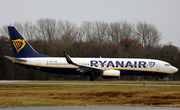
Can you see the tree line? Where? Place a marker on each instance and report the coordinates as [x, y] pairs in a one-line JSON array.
[[91, 39]]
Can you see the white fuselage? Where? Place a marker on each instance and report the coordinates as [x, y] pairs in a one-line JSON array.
[[127, 66]]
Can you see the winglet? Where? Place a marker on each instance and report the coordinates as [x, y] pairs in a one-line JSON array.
[[68, 59]]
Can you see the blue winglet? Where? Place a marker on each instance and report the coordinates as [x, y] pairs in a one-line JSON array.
[[68, 59]]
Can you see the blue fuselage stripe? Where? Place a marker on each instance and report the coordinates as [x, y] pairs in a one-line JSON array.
[[73, 70]]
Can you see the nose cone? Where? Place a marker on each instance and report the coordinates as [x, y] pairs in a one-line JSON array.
[[174, 69]]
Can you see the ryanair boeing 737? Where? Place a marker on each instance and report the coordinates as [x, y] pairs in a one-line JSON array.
[[27, 57]]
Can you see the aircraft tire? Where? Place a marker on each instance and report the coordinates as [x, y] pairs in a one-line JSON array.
[[91, 78]]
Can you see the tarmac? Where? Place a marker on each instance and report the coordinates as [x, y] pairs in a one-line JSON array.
[[42, 82]]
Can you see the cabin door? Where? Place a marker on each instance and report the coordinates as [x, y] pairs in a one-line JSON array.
[[157, 66], [38, 64]]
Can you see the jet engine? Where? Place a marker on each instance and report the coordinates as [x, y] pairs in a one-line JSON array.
[[110, 74]]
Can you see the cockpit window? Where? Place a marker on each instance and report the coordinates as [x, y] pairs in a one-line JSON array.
[[167, 64]]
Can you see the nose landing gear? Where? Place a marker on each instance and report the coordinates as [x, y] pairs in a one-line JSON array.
[[162, 77]]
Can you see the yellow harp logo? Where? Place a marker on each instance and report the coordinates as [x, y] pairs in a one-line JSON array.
[[19, 44]]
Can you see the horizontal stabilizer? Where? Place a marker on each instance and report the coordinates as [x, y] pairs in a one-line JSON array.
[[15, 59]]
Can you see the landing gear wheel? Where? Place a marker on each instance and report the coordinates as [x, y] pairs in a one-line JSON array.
[[91, 78]]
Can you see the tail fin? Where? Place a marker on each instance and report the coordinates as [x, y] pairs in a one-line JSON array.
[[22, 49]]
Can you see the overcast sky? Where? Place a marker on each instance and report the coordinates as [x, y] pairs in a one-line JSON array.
[[164, 14]]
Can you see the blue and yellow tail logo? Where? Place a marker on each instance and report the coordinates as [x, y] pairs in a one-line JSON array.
[[18, 44]]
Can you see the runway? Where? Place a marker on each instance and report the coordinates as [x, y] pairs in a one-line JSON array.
[[12, 81], [44, 82], [91, 108], [104, 84]]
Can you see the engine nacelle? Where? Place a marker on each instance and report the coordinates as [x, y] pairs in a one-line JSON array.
[[110, 74]]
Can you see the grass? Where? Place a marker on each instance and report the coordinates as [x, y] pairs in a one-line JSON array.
[[22, 95]]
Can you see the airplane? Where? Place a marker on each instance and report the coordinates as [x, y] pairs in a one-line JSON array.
[[108, 68]]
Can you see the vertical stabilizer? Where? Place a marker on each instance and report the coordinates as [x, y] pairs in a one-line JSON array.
[[21, 48]]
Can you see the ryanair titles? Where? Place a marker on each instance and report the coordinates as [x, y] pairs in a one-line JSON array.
[[122, 64]]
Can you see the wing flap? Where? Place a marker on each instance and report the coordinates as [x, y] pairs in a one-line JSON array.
[[85, 69]]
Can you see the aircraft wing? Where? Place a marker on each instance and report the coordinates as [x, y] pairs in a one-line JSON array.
[[82, 68], [86, 69]]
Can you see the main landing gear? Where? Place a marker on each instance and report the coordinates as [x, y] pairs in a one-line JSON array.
[[91, 78]]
